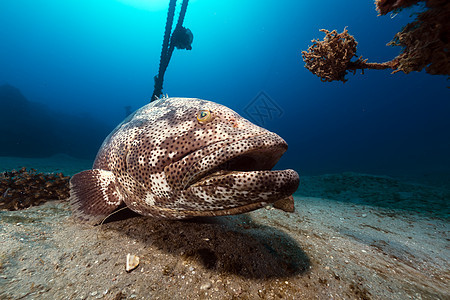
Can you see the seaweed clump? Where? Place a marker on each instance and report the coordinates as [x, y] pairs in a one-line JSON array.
[[24, 188], [425, 45]]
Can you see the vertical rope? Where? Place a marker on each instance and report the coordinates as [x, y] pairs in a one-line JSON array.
[[179, 24], [163, 61], [167, 49]]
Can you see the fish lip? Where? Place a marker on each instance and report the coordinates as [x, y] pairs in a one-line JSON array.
[[210, 179], [260, 152], [243, 190]]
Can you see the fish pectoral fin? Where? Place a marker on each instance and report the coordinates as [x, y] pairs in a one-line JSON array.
[[285, 204], [94, 194]]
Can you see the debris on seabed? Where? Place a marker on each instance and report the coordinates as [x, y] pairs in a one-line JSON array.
[[132, 262], [206, 286]]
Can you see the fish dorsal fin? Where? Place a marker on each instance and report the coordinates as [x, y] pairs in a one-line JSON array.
[[94, 194]]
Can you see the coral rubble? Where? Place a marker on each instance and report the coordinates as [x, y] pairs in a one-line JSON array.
[[24, 188]]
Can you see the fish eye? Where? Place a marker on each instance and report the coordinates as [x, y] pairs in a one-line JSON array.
[[204, 116]]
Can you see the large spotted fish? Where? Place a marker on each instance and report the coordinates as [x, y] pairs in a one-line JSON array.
[[178, 158]]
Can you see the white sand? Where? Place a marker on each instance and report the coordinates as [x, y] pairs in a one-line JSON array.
[[354, 248]]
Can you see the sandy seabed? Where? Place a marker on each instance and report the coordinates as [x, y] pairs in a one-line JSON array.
[[353, 236]]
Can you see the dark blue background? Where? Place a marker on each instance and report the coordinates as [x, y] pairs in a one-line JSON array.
[[96, 57]]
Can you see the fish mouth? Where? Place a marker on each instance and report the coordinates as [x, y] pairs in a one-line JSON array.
[[251, 161], [240, 173]]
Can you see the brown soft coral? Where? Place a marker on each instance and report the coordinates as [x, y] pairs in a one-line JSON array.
[[385, 6], [425, 45], [426, 41], [330, 59]]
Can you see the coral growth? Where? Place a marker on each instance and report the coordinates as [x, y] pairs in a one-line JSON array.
[[385, 6], [426, 41], [22, 189], [330, 59], [425, 45]]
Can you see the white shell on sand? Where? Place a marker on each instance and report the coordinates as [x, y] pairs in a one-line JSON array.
[[132, 262]]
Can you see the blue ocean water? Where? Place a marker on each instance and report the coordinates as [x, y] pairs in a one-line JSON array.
[[373, 223], [85, 61]]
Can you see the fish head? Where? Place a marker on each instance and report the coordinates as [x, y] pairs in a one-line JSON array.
[[219, 162]]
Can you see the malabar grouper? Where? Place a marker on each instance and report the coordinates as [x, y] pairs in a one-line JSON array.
[[179, 158]]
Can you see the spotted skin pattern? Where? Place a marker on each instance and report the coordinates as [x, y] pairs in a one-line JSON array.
[[178, 158]]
